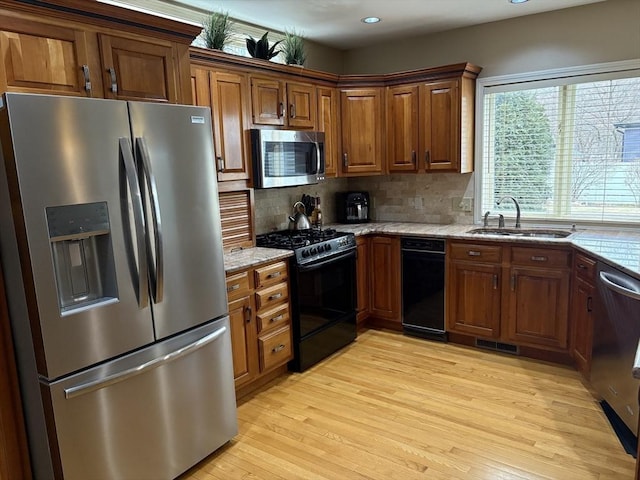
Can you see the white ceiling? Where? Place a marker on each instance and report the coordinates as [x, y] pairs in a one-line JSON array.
[[336, 23]]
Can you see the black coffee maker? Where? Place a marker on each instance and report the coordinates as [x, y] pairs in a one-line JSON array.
[[353, 207]]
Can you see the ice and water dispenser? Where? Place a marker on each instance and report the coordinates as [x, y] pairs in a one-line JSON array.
[[80, 237]]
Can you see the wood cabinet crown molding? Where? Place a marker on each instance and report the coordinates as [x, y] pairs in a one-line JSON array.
[[205, 56], [105, 15]]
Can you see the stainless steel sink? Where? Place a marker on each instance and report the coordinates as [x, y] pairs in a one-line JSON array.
[[522, 232]]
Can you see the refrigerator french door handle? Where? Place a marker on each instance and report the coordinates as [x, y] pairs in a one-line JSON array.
[[157, 269], [94, 385], [138, 220]]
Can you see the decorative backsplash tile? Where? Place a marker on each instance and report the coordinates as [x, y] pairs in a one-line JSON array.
[[428, 198]]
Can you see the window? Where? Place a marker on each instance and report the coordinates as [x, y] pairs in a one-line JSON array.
[[565, 143]]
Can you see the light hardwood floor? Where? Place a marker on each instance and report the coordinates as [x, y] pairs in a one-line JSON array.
[[394, 407]]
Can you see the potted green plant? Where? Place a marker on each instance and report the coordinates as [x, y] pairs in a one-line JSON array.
[[217, 28], [260, 48], [293, 49]]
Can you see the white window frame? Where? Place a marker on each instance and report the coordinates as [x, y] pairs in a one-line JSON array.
[[540, 79]]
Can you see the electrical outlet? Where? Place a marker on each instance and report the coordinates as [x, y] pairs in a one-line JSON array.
[[463, 204]]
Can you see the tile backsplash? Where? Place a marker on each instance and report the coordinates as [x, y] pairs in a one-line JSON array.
[[428, 198]]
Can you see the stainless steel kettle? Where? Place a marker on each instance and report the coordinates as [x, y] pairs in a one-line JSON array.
[[299, 219]]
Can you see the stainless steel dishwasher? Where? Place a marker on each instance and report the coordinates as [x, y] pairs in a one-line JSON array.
[[615, 342], [423, 287]]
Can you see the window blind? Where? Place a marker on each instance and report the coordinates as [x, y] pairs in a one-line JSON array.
[[567, 148]]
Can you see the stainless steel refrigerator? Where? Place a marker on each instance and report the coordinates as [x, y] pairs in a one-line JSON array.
[[111, 248]]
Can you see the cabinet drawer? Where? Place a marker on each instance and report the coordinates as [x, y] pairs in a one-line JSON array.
[[275, 348], [238, 285], [585, 268], [270, 274], [540, 257], [273, 318], [267, 297], [476, 253]]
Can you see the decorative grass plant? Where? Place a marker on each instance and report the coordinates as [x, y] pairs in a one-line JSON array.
[[217, 28], [293, 49]]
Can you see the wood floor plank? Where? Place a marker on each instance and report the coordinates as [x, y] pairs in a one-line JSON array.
[[391, 407]]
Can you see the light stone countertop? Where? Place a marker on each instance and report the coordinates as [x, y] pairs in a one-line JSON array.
[[250, 257], [619, 248]]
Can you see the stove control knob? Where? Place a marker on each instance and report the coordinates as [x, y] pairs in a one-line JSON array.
[[320, 248], [305, 253], [314, 250], [327, 247]]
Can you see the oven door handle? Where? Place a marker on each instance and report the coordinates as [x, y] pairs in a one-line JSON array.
[[315, 266]]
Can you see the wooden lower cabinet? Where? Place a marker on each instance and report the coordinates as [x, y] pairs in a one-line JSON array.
[[512, 294], [474, 294], [362, 280], [260, 320], [583, 296], [385, 282]]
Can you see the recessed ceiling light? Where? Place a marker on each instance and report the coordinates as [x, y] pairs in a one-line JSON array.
[[518, 1], [370, 20]]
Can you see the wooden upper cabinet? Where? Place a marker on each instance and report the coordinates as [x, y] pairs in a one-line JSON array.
[[440, 125], [301, 104], [226, 93], [42, 58], [402, 128], [138, 70], [329, 123], [279, 103], [229, 92], [267, 101], [362, 130]]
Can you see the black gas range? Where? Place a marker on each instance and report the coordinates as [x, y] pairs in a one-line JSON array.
[[323, 291], [309, 245]]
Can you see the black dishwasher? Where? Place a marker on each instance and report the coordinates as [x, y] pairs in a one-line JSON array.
[[423, 287]]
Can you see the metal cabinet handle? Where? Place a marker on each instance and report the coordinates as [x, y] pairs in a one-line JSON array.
[[427, 157], [495, 281], [589, 304], [87, 77], [275, 296], [413, 157], [277, 318], [281, 110], [536, 258], [513, 282], [474, 253], [247, 314], [114, 81], [277, 349], [273, 275], [582, 266], [233, 287], [345, 159], [292, 110], [220, 161]]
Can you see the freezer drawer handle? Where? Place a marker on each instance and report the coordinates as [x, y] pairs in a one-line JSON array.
[[138, 218], [157, 272], [92, 386]]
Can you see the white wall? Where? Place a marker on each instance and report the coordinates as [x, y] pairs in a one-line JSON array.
[[596, 33]]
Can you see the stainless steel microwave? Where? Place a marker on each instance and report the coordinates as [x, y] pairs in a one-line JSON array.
[[285, 158]]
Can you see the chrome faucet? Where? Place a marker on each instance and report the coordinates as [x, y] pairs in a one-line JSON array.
[[509, 197]]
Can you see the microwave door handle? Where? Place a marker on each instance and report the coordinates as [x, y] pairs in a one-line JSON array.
[[317, 148], [157, 272], [138, 218]]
